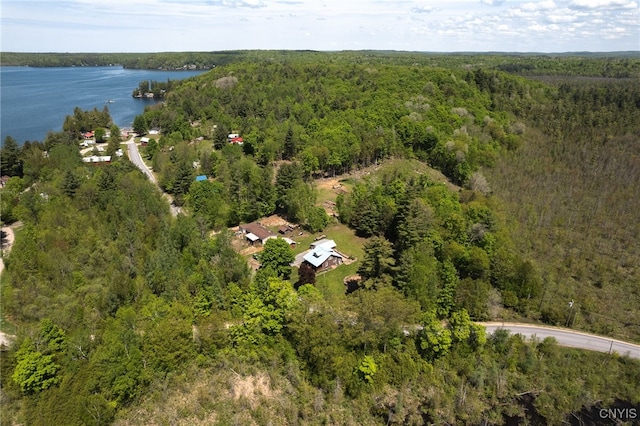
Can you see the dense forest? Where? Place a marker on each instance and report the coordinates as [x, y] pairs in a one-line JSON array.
[[609, 64], [459, 192]]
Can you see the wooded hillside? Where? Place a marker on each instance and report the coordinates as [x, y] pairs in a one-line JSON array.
[[459, 194]]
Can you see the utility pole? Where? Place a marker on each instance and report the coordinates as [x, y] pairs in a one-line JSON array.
[[568, 322]]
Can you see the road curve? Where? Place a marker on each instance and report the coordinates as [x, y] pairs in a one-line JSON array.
[[136, 159], [568, 338]]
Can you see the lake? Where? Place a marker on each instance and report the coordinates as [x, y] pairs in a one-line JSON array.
[[36, 100]]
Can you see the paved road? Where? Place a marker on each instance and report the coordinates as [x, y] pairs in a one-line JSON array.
[[569, 338], [136, 159]]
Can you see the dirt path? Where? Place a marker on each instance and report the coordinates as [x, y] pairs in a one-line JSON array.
[[8, 237], [5, 339]]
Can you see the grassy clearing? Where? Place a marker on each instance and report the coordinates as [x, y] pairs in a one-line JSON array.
[[328, 189], [331, 283]]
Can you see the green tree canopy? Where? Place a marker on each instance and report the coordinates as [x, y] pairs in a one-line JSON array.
[[10, 161], [277, 255]]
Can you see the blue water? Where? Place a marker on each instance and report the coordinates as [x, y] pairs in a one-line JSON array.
[[36, 100]]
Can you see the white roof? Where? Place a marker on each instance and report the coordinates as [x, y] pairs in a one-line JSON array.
[[97, 158], [145, 140], [324, 244], [252, 237], [318, 256]]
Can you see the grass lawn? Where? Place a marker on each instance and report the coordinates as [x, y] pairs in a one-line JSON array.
[[330, 283]]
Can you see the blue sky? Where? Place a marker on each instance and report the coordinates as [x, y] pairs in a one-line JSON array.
[[199, 25]]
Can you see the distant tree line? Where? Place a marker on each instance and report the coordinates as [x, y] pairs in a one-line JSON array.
[[129, 315], [608, 64]]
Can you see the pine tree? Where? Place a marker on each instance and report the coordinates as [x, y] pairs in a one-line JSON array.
[[289, 145], [70, 183], [378, 264], [10, 162]]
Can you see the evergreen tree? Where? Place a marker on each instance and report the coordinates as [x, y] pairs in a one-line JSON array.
[[378, 264], [10, 161], [446, 296], [289, 145], [286, 177], [70, 183]]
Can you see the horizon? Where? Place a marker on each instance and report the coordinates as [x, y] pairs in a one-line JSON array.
[[438, 26], [431, 52]]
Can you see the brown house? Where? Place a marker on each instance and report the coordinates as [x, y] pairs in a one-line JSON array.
[[255, 232]]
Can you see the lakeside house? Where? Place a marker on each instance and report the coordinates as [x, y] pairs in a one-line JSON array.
[[144, 141], [97, 159]]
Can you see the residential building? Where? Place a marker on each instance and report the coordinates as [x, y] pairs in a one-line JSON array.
[[255, 232], [323, 256]]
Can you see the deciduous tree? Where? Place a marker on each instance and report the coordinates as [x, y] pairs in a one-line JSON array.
[[277, 254]]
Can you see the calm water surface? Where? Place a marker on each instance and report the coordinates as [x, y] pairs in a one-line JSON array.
[[36, 100]]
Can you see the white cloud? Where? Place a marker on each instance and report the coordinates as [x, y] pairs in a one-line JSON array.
[[562, 16], [492, 2], [540, 5], [603, 4], [422, 9], [252, 4], [436, 25]]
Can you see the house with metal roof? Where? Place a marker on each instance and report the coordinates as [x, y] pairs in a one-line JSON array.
[[323, 256], [324, 243]]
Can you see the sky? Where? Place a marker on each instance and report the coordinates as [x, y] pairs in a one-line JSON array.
[[408, 25]]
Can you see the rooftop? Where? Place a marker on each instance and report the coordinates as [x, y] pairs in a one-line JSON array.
[[319, 255]]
